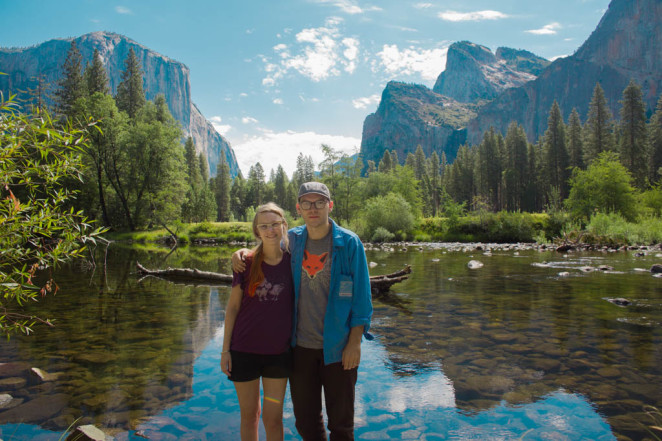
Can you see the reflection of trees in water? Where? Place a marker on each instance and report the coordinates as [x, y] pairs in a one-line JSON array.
[[511, 331], [121, 350]]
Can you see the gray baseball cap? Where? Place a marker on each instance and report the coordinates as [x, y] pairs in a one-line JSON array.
[[314, 188]]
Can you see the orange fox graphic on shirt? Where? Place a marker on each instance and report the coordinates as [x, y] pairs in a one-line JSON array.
[[313, 263]]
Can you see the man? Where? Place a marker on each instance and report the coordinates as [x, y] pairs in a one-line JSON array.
[[332, 311]]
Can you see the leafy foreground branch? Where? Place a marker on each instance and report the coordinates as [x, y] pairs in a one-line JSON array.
[[38, 227], [379, 285]]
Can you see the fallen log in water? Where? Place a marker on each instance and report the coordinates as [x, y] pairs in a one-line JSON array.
[[378, 284]]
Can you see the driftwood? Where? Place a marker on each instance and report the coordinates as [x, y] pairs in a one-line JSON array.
[[378, 284]]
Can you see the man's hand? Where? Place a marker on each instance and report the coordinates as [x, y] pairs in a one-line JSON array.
[[351, 355], [239, 260]]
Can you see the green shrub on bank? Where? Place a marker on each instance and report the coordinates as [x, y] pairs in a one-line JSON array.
[[615, 227], [493, 227]]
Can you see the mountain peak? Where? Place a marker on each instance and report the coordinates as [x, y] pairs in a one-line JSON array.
[[473, 73]]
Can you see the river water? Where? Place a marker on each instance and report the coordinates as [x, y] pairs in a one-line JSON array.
[[525, 347]]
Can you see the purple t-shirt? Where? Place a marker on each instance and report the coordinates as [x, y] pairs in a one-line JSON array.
[[264, 322]]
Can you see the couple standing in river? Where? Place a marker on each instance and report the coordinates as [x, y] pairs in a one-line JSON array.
[[299, 307]]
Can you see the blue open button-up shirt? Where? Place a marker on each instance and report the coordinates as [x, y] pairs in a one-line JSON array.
[[350, 300]]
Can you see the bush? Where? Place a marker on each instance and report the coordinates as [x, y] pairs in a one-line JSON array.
[[382, 235], [391, 212]]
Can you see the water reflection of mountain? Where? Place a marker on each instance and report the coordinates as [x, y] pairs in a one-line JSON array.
[[121, 350]]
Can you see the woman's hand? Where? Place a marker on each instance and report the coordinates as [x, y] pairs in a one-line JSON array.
[[226, 363]]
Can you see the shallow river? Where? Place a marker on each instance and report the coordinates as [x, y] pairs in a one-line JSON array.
[[526, 347]]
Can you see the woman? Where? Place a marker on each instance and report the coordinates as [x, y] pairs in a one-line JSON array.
[[258, 325]]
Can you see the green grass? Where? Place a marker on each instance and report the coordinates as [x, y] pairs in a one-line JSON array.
[[222, 232]]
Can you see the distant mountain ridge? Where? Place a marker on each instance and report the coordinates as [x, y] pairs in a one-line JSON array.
[[514, 85], [162, 75], [410, 115], [474, 73]]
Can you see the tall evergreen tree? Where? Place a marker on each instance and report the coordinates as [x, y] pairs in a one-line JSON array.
[[386, 164], [633, 142], [574, 140], [655, 142], [555, 154], [461, 176], [598, 127], [95, 75], [130, 93], [532, 200], [488, 169], [305, 170], [280, 186], [410, 161], [419, 163], [515, 173], [434, 174], [223, 184], [71, 85], [238, 200], [256, 185]]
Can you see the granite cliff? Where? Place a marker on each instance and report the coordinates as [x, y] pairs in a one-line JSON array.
[[625, 45], [161, 76], [474, 73], [515, 85], [410, 115]]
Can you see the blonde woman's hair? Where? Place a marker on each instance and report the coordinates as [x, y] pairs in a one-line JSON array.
[[256, 276]]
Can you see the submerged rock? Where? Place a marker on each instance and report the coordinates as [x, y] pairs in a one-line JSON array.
[[656, 269], [475, 264], [620, 301], [89, 433]]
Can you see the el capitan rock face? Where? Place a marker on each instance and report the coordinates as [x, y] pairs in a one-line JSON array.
[[162, 75]]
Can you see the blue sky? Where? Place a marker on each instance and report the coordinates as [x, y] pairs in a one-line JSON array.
[[279, 77]]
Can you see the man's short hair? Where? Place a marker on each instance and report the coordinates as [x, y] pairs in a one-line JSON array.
[[314, 188]]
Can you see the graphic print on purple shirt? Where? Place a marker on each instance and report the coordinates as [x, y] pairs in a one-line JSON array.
[[264, 322]]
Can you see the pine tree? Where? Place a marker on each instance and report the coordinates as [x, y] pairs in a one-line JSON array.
[[515, 173], [280, 186], [555, 154], [574, 140], [96, 79], [222, 190], [130, 93], [633, 140], [238, 197], [598, 127], [419, 163], [488, 169], [255, 185], [386, 164], [655, 141], [71, 85]]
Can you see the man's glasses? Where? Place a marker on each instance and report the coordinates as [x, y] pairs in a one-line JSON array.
[[319, 204], [271, 226]]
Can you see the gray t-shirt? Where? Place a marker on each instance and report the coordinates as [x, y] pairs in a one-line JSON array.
[[314, 292]]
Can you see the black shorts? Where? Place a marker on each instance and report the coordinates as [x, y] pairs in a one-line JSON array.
[[249, 367]]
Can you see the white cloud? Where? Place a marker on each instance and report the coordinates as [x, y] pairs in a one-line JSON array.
[[320, 53], [222, 129], [349, 6], [278, 101], [472, 16], [123, 10], [549, 29], [271, 149], [365, 102], [423, 5], [248, 120], [428, 63]]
